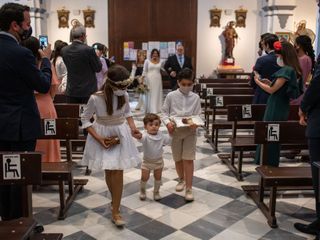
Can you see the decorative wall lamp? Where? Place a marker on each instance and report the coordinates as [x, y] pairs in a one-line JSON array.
[[241, 15], [215, 16], [63, 18], [88, 16]]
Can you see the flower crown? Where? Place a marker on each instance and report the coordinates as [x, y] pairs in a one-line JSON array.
[[277, 46], [120, 84]]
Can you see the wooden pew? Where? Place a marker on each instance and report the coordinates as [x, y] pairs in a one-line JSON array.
[[241, 116], [235, 75], [21, 169], [60, 98], [223, 80], [61, 172], [218, 106], [274, 178]]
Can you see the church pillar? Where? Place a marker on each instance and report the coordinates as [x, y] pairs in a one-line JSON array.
[[278, 15]]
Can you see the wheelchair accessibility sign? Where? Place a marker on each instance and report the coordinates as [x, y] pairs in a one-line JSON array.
[[273, 132], [11, 167]]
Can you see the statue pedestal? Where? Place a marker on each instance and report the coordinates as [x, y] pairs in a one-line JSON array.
[[228, 62], [229, 71]]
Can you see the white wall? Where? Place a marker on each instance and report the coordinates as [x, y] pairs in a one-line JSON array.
[[97, 34], [209, 47], [306, 10]]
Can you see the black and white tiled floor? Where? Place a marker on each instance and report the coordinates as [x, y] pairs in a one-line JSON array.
[[221, 210]]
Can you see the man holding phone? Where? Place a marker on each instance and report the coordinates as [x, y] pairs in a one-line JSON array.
[[43, 39]]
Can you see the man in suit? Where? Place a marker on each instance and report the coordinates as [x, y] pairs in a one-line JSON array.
[[176, 63], [20, 77], [265, 66], [310, 111], [82, 65]]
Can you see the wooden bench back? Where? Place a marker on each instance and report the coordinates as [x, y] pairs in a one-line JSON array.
[[65, 128], [30, 165], [60, 98], [289, 133], [240, 112], [229, 99], [223, 80], [68, 110], [228, 91]]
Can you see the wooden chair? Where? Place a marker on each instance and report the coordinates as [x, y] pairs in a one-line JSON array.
[[274, 178], [61, 172], [245, 143]]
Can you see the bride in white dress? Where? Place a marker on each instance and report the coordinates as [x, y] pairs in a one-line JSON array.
[[153, 80]]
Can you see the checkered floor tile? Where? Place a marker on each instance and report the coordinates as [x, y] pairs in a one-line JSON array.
[[221, 210]]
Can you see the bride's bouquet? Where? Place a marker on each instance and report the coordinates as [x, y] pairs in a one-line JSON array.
[[141, 88]]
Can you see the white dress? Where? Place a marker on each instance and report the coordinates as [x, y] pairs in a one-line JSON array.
[[119, 157], [153, 79]]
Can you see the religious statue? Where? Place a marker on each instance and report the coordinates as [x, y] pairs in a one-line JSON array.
[[303, 30], [230, 35]]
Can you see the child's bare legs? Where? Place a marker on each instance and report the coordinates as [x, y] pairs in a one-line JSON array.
[[145, 174], [180, 172], [188, 172], [108, 178], [157, 183], [188, 176], [116, 187]]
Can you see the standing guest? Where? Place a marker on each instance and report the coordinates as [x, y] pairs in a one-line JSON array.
[[282, 88], [176, 63], [310, 116], [306, 56], [152, 143], [20, 77], [82, 63], [100, 48], [113, 119], [152, 78], [59, 65], [265, 66], [50, 148], [183, 103], [262, 51]]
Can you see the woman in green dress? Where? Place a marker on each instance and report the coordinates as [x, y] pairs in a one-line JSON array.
[[286, 84]]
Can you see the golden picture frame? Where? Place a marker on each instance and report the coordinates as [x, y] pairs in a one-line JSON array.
[[241, 16], [88, 16], [215, 16], [63, 18], [284, 36]]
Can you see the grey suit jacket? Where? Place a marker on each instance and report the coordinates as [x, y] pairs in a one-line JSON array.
[[82, 63]]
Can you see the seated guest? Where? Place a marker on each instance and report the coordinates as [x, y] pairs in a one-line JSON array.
[[282, 87], [59, 65], [310, 111], [265, 66], [49, 148]]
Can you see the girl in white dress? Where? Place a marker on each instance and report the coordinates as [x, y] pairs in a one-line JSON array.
[[153, 79], [112, 120]]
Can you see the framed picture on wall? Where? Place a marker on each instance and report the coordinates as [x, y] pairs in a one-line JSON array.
[[283, 36]]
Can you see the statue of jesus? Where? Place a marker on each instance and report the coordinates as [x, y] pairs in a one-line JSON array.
[[230, 35]]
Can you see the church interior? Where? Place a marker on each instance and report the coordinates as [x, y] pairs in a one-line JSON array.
[[236, 190]]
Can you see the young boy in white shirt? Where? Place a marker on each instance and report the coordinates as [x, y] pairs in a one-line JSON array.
[[152, 143], [183, 103]]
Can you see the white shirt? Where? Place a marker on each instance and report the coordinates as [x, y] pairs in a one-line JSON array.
[[178, 104], [152, 145], [97, 105]]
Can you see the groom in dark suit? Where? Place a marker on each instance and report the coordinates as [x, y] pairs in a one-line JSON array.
[[20, 77], [176, 63]]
